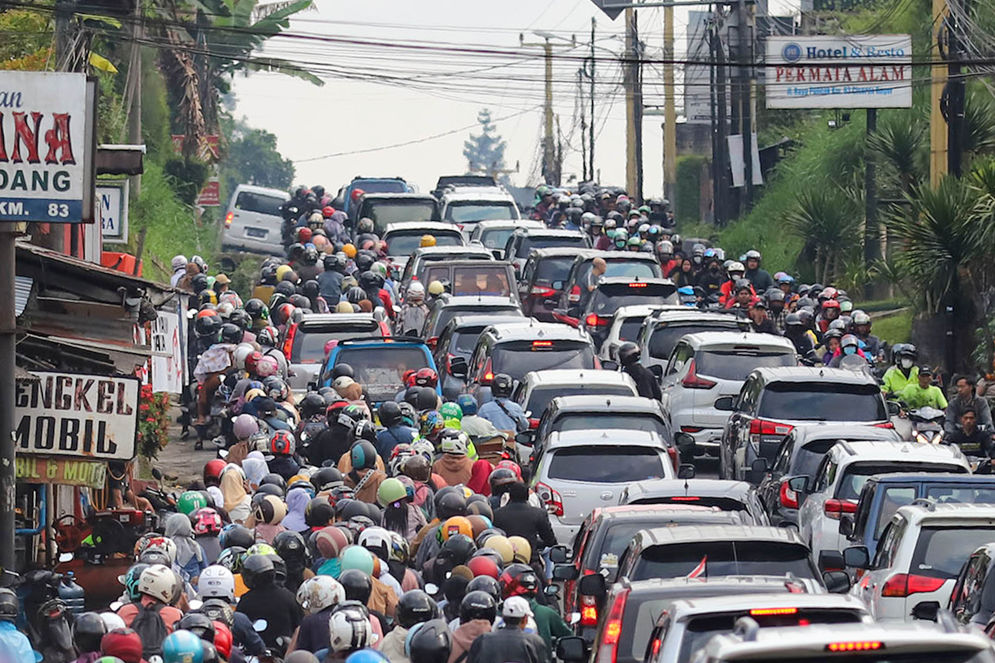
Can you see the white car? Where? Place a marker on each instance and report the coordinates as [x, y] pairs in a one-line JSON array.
[[835, 488], [920, 556], [625, 326], [494, 234], [578, 471], [466, 206], [709, 365]]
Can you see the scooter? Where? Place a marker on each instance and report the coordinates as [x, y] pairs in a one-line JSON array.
[[927, 425], [48, 621]]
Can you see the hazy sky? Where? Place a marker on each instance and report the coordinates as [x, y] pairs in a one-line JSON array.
[[377, 95]]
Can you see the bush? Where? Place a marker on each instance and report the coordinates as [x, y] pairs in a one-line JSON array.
[[189, 177], [687, 203]]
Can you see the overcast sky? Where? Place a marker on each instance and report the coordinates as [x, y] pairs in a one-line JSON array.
[[456, 57]]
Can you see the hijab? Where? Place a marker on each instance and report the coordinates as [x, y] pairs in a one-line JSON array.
[[297, 499], [234, 491], [255, 467], [178, 528]]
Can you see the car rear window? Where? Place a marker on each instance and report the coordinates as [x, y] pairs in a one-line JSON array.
[[379, 368], [533, 242], [496, 238], [553, 269], [480, 280], [856, 474], [403, 243], [722, 503], [541, 396], [474, 211], [385, 212], [665, 336], [259, 203], [516, 358], [309, 346], [723, 558], [450, 312], [609, 298], [629, 329], [971, 493], [627, 421], [465, 340], [737, 364], [942, 550], [807, 459], [605, 464], [822, 401]]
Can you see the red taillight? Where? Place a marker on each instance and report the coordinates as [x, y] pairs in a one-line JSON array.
[[551, 498], [886, 424], [691, 429], [685, 498], [869, 645], [835, 508], [593, 320], [588, 611], [904, 584], [533, 423], [542, 291], [760, 428], [574, 295], [788, 497], [432, 342], [693, 381], [541, 344], [488, 374], [637, 285], [763, 612], [608, 652], [288, 343], [229, 217]]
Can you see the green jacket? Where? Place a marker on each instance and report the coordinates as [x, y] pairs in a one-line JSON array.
[[894, 380], [916, 397], [549, 623]]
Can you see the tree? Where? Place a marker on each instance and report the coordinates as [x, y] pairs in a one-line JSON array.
[[254, 159], [485, 152]]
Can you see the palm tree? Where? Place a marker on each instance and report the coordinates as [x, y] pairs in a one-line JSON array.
[[901, 144], [828, 220]]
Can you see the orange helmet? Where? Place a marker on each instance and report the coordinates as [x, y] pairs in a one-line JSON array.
[[456, 525]]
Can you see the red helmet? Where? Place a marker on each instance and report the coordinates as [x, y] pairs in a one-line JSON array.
[[408, 378], [282, 443], [831, 303], [327, 211], [207, 313], [510, 465], [356, 193], [213, 470], [304, 235], [222, 639], [829, 293], [283, 313], [252, 361], [483, 566], [426, 377], [518, 579]]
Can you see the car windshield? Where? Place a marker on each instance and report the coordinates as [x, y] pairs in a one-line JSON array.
[[856, 474], [605, 464], [516, 358], [942, 550], [606, 421], [309, 346], [385, 212], [723, 558], [553, 269], [608, 299], [541, 396], [496, 238], [259, 203], [533, 242], [822, 401], [404, 243], [665, 336], [379, 368], [450, 312], [737, 364], [471, 210], [807, 459]]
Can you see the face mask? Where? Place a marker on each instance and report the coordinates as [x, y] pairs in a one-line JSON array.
[[714, 268], [906, 363], [849, 350]]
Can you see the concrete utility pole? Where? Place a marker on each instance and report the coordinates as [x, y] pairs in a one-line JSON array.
[[745, 38], [590, 148], [670, 112], [548, 145], [938, 77], [872, 233], [8, 339], [955, 98], [633, 110]]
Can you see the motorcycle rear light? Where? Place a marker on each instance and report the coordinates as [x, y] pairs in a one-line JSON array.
[[906, 584], [288, 343], [593, 320], [869, 645], [835, 508], [788, 497], [551, 498], [588, 611], [693, 381]]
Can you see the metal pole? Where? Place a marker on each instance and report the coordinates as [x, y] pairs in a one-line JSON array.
[[937, 126], [955, 101], [629, 79], [590, 150], [713, 125], [8, 481], [670, 113], [872, 236], [549, 156], [583, 122], [744, 99], [723, 202]]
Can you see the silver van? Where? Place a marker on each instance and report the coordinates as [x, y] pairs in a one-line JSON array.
[[253, 221]]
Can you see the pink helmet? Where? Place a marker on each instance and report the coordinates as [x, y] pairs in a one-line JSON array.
[[206, 521], [266, 367], [245, 426]]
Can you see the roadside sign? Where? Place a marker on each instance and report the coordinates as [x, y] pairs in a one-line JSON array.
[[112, 210], [62, 471], [210, 195], [167, 353], [606, 7]]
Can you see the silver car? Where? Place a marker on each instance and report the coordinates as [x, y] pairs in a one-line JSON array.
[[253, 221]]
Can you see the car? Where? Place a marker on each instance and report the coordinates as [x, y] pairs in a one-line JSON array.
[[625, 264], [387, 208], [542, 269], [522, 241], [921, 553], [519, 346], [972, 600], [452, 182], [882, 494], [667, 325], [457, 340], [626, 325], [580, 470], [422, 257], [833, 489], [613, 293], [800, 453], [603, 536], [450, 307], [379, 364], [773, 401], [401, 239], [709, 365], [350, 194], [466, 206], [306, 343], [735, 496], [866, 643], [254, 220], [494, 234], [538, 388], [686, 625], [489, 277]]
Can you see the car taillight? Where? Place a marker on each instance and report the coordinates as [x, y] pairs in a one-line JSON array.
[[906, 584], [541, 344], [886, 424], [533, 423], [761, 428], [551, 498], [488, 374], [288, 343], [588, 611], [542, 291], [574, 295], [612, 630], [788, 497], [229, 217], [637, 285], [765, 612], [593, 320], [835, 508], [431, 342], [691, 429], [693, 381], [868, 645]]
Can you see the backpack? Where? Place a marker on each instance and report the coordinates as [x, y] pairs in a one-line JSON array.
[[150, 628]]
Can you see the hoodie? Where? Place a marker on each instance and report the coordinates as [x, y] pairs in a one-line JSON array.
[[393, 645], [464, 636], [454, 469], [190, 556]]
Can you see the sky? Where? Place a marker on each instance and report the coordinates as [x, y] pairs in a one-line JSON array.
[[419, 72]]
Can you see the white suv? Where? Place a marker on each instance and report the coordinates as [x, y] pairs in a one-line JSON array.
[[835, 488], [920, 555], [709, 365]]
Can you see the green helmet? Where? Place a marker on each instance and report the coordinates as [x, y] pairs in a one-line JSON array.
[[635, 241], [130, 580], [264, 549], [190, 501], [451, 411], [391, 490]]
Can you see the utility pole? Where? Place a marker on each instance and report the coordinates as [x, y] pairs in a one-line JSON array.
[[590, 148], [722, 192], [8, 340], [583, 121], [670, 112], [548, 146], [955, 98], [746, 100], [938, 81], [713, 121], [633, 110]]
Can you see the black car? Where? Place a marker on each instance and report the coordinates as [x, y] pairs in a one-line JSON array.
[[451, 307], [542, 279], [456, 342], [620, 264], [524, 240], [612, 294]]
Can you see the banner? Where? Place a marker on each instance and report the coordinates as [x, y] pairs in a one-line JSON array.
[[69, 414], [167, 371], [112, 210], [63, 471]]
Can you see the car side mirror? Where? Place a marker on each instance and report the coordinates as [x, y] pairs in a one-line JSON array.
[[686, 447], [926, 610], [836, 582], [894, 408], [593, 584], [757, 470], [799, 484], [551, 590], [609, 365], [846, 526], [571, 649], [831, 560], [725, 404], [685, 471], [657, 370], [857, 557], [565, 572], [458, 367], [559, 554]]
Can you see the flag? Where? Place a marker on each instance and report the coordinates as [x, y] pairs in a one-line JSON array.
[[699, 570]]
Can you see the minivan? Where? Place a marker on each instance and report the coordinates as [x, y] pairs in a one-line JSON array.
[[254, 221]]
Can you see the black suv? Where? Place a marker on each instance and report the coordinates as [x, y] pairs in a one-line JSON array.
[[524, 240], [543, 277], [623, 264]]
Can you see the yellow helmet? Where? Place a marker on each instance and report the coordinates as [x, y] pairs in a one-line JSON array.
[[349, 250], [282, 271], [427, 240], [522, 549], [436, 288], [502, 546]]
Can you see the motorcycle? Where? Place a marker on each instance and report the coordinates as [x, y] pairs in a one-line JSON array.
[[48, 623], [927, 425]]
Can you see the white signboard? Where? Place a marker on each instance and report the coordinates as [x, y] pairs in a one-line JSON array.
[[44, 147], [167, 356], [697, 72], [866, 71], [111, 201], [70, 414]]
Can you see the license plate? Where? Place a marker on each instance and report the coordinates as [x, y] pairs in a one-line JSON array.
[[256, 232]]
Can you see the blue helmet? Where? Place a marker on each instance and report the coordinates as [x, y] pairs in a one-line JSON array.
[[182, 647], [468, 404], [366, 656]]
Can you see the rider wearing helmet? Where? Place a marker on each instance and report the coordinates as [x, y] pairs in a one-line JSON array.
[[727, 291], [904, 372], [158, 585], [862, 329], [830, 312], [504, 413], [759, 277], [509, 641], [472, 423], [710, 279], [268, 600], [395, 431], [849, 345], [646, 383]]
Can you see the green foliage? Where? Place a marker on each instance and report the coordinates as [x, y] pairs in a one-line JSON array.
[[188, 177], [687, 205], [155, 110], [27, 40], [827, 220], [895, 328], [252, 158], [484, 152]]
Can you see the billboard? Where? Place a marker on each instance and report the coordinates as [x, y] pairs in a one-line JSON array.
[[45, 149], [860, 71]]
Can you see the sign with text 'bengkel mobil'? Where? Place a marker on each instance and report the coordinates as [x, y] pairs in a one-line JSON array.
[[859, 71], [70, 414], [43, 147]]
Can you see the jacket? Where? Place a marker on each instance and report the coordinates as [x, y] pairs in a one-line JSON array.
[[957, 406], [382, 598], [529, 522], [508, 644], [646, 384], [392, 645], [549, 624], [464, 636], [454, 469]]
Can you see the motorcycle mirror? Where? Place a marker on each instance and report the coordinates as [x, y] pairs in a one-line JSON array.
[[156, 473], [223, 454], [65, 557], [259, 625], [431, 589]]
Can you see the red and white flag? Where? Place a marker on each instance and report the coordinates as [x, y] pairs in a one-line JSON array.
[[699, 570]]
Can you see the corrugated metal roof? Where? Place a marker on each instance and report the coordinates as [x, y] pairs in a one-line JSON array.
[[22, 290]]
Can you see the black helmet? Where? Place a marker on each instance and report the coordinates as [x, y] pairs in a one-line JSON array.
[[501, 476], [290, 546], [628, 353], [364, 261], [241, 318], [207, 326], [295, 251], [449, 503], [231, 333], [363, 455], [341, 369], [236, 536], [267, 489], [390, 413], [430, 643], [327, 478], [793, 320], [364, 430], [299, 301], [331, 263], [318, 512], [199, 283], [285, 288], [312, 404], [199, 623], [487, 585], [415, 607], [478, 605], [208, 654], [274, 479], [218, 610], [88, 629], [907, 350], [502, 385], [258, 571], [458, 548], [256, 309], [426, 398], [310, 289], [357, 585], [310, 255]]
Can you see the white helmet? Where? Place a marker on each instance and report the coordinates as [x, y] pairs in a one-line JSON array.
[[753, 254], [317, 593], [610, 224], [861, 318], [455, 444], [349, 628], [416, 290], [736, 267], [242, 350], [112, 621], [163, 545], [665, 247], [217, 582], [159, 582], [376, 540]]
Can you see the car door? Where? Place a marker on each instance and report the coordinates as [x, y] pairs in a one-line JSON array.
[[873, 581], [810, 510], [737, 428], [965, 599], [769, 489], [670, 384]]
